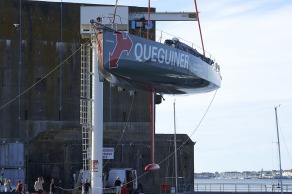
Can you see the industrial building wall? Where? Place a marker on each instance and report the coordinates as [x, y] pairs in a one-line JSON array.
[[40, 86], [31, 51], [12, 161], [40, 96]]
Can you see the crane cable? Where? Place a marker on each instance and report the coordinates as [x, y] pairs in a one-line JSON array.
[[197, 14], [148, 21]]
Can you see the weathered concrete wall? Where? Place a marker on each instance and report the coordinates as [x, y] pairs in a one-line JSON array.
[[44, 45]]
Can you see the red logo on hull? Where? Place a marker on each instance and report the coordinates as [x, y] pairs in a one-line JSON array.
[[122, 44]]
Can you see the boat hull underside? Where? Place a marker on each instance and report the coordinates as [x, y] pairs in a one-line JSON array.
[[169, 81], [136, 63]]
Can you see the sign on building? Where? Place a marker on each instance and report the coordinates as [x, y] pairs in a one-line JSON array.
[[108, 153]]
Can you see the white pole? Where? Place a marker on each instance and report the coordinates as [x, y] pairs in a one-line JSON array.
[[279, 150], [97, 123], [175, 149]]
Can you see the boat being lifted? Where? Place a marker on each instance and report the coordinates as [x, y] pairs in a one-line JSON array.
[[137, 64], [134, 63]]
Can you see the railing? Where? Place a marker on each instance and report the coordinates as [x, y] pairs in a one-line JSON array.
[[241, 187], [161, 36]]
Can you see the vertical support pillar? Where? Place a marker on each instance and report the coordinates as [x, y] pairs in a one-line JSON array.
[[152, 166], [97, 123], [152, 123]]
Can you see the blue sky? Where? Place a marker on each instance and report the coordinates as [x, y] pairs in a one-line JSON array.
[[252, 42]]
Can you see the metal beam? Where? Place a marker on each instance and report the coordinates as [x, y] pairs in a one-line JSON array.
[[86, 29], [165, 16]]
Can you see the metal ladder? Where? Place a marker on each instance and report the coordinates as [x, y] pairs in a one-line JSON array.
[[85, 103]]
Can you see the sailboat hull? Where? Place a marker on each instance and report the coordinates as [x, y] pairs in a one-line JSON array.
[[135, 63]]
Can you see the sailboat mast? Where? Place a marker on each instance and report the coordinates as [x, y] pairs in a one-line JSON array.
[[279, 150], [175, 149]]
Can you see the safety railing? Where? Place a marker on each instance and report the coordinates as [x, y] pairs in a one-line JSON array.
[[241, 187], [161, 36]]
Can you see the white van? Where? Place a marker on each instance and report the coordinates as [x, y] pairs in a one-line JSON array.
[[128, 175]]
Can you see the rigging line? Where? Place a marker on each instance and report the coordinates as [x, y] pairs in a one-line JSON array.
[[73, 189], [33, 85], [193, 45], [204, 114], [112, 17], [115, 11], [168, 163], [283, 137], [186, 139], [180, 38], [124, 129], [138, 177], [194, 129], [153, 34]]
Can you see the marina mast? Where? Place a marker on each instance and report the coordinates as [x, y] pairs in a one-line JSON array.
[[279, 150]]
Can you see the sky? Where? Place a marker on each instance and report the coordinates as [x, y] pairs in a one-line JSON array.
[[252, 42]]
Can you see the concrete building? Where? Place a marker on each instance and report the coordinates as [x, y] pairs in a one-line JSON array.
[[40, 131]]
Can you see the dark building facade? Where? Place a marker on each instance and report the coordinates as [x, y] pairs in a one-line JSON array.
[[40, 102]]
